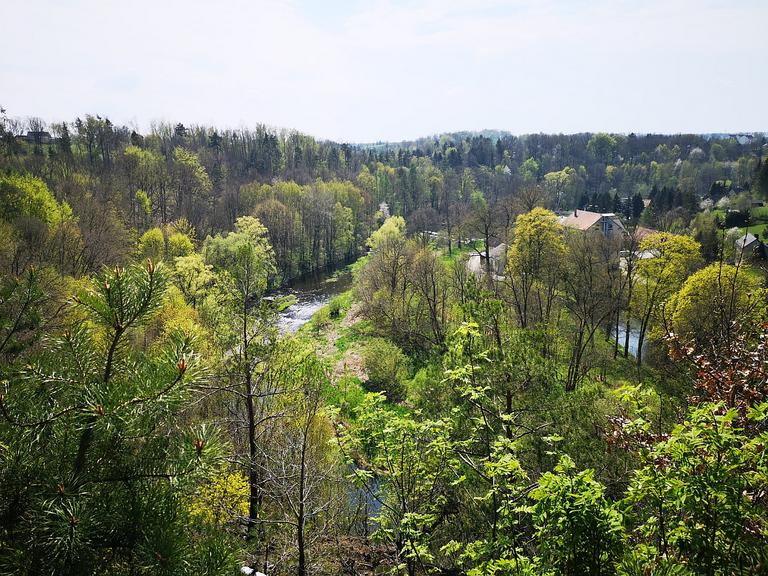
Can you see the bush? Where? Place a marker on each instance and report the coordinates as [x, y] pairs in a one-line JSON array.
[[387, 368], [320, 320], [334, 307]]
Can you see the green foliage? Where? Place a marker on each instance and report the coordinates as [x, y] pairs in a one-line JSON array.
[[387, 367], [247, 250], [335, 307], [411, 460], [534, 266], [20, 300], [404, 290], [578, 530], [151, 245], [221, 499], [453, 486], [696, 494], [529, 170], [392, 228], [320, 319], [142, 201], [179, 245], [671, 259], [95, 453], [710, 303], [24, 195], [602, 146], [193, 277], [191, 176]]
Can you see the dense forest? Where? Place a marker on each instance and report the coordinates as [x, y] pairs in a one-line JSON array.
[[499, 393]]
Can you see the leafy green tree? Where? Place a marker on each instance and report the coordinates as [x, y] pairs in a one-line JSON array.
[[529, 170], [387, 367], [534, 266], [343, 233], [670, 260], [24, 195], [711, 304], [152, 245], [561, 185], [224, 252], [179, 244], [496, 385], [412, 461], [404, 289], [578, 530], [193, 277], [94, 454], [602, 146]]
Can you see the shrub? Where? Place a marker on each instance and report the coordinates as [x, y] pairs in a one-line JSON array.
[[334, 307], [320, 320], [387, 368]]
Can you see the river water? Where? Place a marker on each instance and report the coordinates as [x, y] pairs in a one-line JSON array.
[[634, 336], [313, 291]]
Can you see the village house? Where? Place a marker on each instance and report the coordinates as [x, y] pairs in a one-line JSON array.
[[606, 223], [748, 246]]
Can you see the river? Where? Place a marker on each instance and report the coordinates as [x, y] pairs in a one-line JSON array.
[[634, 336], [313, 291]]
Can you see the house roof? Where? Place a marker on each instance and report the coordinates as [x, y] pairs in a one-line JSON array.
[[640, 233], [745, 240], [582, 219]]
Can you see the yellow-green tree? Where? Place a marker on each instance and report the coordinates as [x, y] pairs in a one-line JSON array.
[[534, 266], [711, 304], [667, 261], [152, 245]]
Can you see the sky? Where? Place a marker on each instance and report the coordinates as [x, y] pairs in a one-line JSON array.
[[391, 70]]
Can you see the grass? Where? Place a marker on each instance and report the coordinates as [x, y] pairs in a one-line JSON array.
[[347, 337], [760, 214], [346, 395], [471, 248], [759, 219], [756, 230]]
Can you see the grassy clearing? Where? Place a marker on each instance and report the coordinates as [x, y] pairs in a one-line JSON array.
[[755, 273], [756, 230], [760, 214], [468, 249]]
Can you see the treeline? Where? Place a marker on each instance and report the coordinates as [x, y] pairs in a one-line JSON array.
[[321, 200]]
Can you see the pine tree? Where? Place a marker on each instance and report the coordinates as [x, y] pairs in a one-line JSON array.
[[95, 461]]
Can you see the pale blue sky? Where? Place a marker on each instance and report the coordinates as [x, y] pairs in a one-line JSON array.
[[362, 71]]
